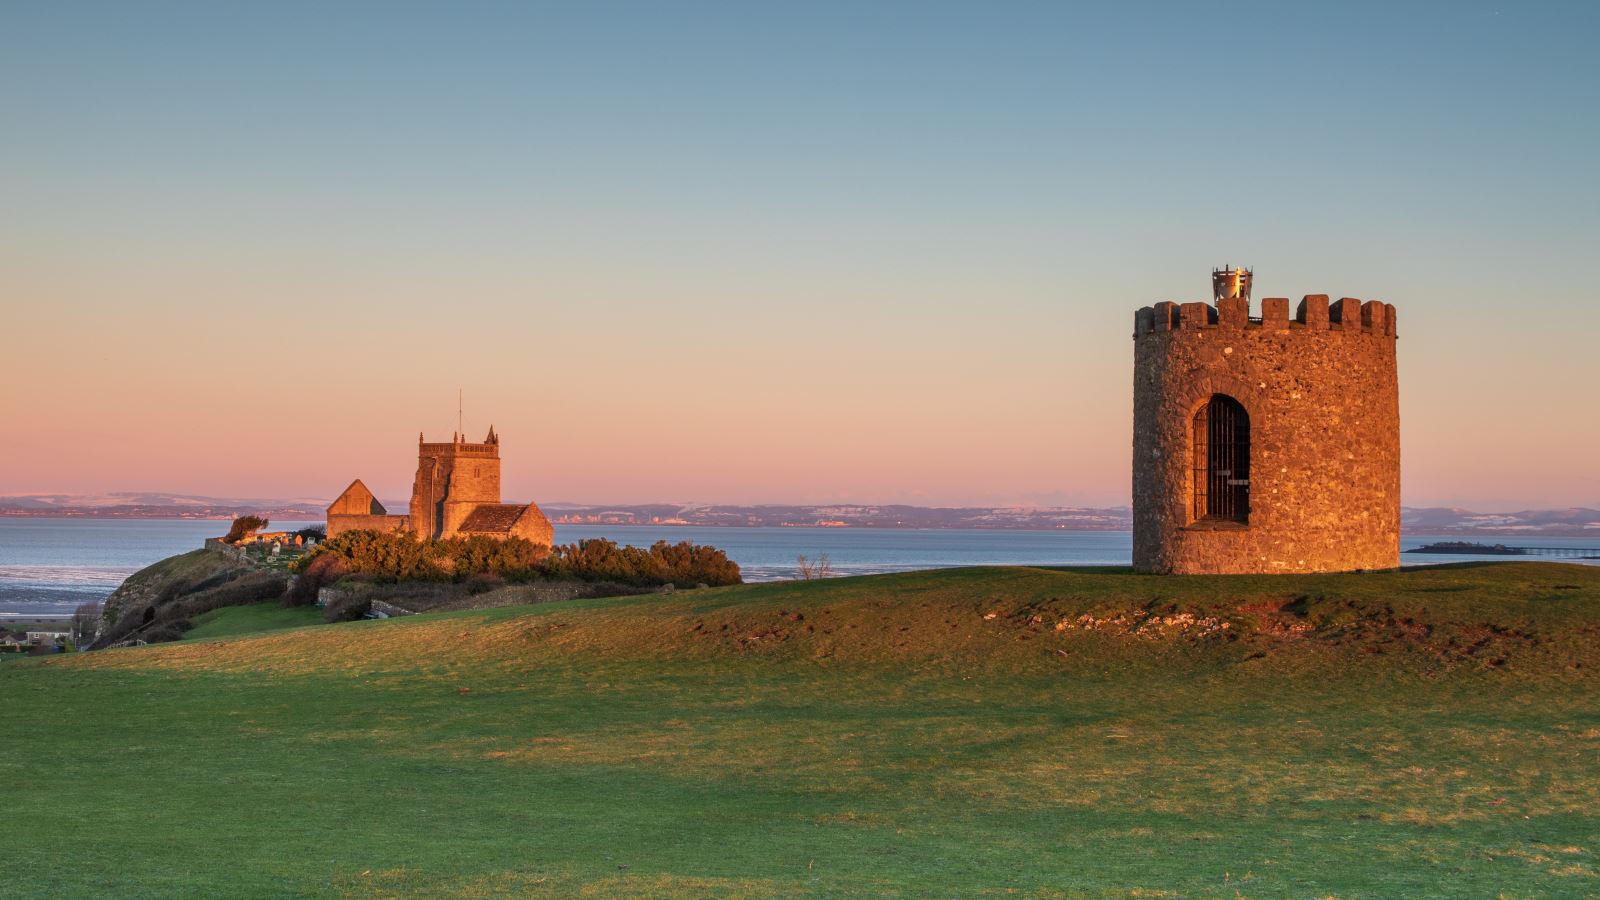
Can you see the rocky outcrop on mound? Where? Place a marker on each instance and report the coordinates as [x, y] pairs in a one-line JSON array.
[[1307, 626], [142, 598], [162, 580]]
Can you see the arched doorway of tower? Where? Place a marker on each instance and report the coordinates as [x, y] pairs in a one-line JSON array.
[[1221, 441]]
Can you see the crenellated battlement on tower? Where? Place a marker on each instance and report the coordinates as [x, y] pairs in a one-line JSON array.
[[460, 446], [484, 451], [1314, 313]]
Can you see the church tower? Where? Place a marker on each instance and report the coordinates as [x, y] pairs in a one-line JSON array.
[[452, 479]]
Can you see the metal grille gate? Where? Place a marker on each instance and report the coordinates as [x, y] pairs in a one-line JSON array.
[[1222, 461]]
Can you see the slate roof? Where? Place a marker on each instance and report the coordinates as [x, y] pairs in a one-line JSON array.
[[493, 518]]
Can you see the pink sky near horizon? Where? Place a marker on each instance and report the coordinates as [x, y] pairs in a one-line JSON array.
[[696, 396], [763, 253]]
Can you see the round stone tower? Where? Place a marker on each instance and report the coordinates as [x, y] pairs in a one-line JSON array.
[[1266, 444]]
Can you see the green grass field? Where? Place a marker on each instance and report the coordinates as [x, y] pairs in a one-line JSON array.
[[1005, 731], [232, 621]]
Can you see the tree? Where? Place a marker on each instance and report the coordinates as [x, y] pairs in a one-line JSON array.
[[243, 527], [811, 569], [85, 622]]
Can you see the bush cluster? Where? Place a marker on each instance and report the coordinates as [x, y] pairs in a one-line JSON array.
[[690, 564], [598, 559], [316, 574], [402, 556], [252, 588]]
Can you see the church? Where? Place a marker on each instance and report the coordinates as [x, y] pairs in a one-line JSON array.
[[456, 494]]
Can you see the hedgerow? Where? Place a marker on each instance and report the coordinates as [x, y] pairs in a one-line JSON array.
[[401, 556]]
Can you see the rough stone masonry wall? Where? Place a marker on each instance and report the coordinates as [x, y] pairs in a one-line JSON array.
[[462, 473], [339, 524], [1322, 394], [532, 525]]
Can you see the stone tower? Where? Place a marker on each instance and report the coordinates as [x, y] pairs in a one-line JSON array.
[[453, 479], [1266, 444]]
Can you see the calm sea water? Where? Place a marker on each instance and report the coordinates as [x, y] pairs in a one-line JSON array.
[[49, 566]]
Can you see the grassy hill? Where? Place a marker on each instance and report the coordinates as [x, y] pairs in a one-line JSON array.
[[234, 621], [1044, 732], [148, 584]]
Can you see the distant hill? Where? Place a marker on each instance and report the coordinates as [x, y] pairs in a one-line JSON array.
[[148, 505], [1119, 518], [1575, 522], [1571, 522]]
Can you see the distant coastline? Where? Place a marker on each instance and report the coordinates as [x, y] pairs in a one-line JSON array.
[[1572, 522], [295, 513]]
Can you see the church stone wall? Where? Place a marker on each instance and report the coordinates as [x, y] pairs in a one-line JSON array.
[[356, 503], [534, 526], [1322, 394], [454, 514], [340, 523]]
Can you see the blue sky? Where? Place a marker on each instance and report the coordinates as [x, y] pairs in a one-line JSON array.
[[924, 226]]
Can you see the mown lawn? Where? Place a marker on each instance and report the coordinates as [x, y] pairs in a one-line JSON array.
[[1043, 732]]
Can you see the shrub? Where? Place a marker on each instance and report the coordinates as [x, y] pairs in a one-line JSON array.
[[318, 533], [347, 608], [401, 556], [688, 563], [322, 570], [812, 569], [598, 559], [483, 583], [415, 595], [126, 625], [166, 632], [180, 588], [172, 590], [244, 526], [479, 554], [404, 557], [253, 588]]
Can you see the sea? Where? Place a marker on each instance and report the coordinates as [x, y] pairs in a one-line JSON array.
[[48, 567]]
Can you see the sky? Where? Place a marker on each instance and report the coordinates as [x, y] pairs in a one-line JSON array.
[[746, 253]]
